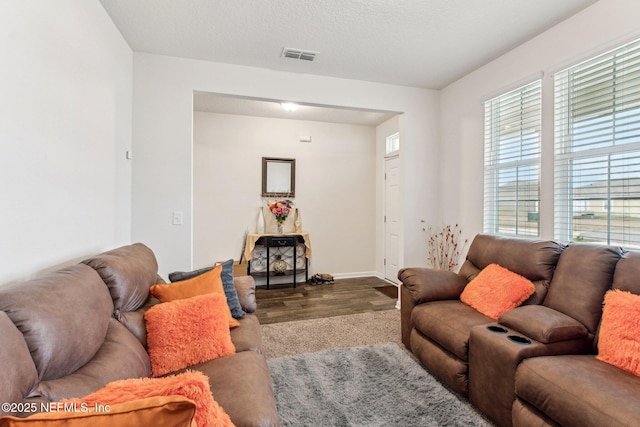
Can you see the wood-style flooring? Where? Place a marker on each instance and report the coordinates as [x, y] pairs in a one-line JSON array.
[[283, 303]]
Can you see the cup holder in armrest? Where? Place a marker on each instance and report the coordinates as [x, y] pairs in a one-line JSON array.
[[519, 339], [497, 329]]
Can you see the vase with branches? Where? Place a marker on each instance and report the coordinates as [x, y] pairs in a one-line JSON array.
[[444, 246]]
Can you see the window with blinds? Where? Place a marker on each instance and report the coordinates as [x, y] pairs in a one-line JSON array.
[[512, 162], [597, 149]]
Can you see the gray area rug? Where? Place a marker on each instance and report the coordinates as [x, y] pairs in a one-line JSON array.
[[377, 385]]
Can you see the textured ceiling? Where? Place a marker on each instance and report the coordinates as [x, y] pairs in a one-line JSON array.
[[418, 43], [421, 43]]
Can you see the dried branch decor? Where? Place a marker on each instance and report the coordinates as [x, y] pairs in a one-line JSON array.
[[444, 246]]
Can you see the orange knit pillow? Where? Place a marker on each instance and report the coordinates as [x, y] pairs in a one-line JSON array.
[[203, 284], [184, 332], [496, 290], [192, 385], [619, 336]]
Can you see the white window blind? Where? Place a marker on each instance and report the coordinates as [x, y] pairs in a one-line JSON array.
[[512, 161], [597, 149]]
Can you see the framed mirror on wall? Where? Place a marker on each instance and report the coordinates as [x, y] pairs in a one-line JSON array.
[[278, 177]]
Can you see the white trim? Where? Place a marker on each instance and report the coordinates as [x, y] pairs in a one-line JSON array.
[[595, 52], [358, 275], [391, 282], [512, 86]]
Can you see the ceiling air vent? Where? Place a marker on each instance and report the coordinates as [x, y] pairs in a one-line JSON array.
[[302, 55]]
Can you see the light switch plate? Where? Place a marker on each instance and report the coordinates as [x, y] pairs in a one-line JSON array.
[[178, 218]]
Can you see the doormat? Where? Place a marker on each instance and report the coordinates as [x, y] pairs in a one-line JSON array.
[[389, 290]]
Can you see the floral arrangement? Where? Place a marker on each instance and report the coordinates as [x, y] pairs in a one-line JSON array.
[[281, 210], [444, 247]]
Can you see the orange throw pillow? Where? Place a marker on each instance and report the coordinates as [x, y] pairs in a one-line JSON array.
[[192, 385], [619, 336], [496, 290], [176, 411], [208, 282], [184, 332]]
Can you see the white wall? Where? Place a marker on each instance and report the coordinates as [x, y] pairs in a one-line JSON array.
[[65, 123], [596, 29], [335, 187], [163, 119]]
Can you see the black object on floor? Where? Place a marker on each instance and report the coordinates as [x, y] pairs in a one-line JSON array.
[[320, 279]]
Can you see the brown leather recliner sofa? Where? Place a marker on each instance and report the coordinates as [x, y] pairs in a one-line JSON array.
[[523, 369], [70, 332], [579, 390]]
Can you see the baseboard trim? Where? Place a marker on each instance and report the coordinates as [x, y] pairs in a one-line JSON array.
[[357, 275], [261, 281]]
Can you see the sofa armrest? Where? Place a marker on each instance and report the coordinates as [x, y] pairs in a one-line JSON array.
[[543, 324], [425, 284], [246, 288]]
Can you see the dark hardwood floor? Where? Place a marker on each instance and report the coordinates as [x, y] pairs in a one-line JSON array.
[[283, 303]]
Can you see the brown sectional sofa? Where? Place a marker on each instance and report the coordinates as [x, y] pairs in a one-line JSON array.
[[70, 332], [579, 390], [536, 365]]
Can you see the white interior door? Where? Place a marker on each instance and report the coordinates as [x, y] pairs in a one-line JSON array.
[[391, 218]]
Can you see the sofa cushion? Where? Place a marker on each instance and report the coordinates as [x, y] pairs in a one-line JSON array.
[[14, 353], [448, 323], [187, 331], [496, 290], [63, 317], [619, 342], [247, 337], [532, 259], [238, 379], [120, 356], [209, 282], [583, 274], [128, 272], [134, 320], [246, 288], [570, 390], [543, 324], [176, 411], [627, 272], [192, 385]]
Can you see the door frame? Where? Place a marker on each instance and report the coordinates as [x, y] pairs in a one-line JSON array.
[[387, 158]]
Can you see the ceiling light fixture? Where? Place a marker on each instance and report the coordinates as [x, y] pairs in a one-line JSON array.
[[289, 106]]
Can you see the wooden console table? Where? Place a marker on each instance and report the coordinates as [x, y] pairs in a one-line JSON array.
[[276, 247]]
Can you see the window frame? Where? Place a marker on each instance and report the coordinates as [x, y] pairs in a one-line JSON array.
[[524, 103], [581, 97], [392, 144]]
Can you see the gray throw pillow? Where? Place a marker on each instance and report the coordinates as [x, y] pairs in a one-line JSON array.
[[230, 290], [178, 276]]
